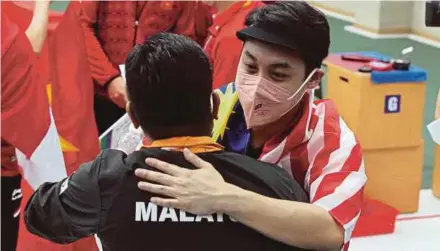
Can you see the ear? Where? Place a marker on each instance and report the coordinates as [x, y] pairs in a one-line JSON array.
[[315, 80], [215, 98], [129, 109]]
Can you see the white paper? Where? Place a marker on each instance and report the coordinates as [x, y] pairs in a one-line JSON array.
[[434, 130], [122, 69], [407, 50]]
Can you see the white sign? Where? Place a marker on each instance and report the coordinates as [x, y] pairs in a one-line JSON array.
[[434, 130], [122, 69]]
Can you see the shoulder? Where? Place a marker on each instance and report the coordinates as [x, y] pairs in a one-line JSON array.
[[326, 118], [111, 165], [331, 131], [266, 176]]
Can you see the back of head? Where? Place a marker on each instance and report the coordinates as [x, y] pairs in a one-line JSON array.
[[300, 26], [169, 84]]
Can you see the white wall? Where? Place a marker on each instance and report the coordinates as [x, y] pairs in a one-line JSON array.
[[385, 14], [342, 6], [396, 15], [367, 14]]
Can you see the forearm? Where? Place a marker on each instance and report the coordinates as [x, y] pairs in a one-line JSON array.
[[297, 224], [68, 210], [44, 217], [37, 30]]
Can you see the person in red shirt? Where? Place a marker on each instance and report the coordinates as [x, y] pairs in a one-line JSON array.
[[18, 51], [222, 45], [112, 28]]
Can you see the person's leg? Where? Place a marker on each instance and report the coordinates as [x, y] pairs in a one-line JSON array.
[[106, 113], [11, 199]]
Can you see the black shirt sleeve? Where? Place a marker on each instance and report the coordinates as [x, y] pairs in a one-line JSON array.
[[66, 211]]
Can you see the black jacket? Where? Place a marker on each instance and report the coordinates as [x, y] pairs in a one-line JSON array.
[[102, 198]]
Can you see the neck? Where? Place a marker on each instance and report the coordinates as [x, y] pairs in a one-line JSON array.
[[223, 5], [260, 135]]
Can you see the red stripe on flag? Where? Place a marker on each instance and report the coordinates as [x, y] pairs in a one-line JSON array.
[[349, 209], [330, 182], [332, 134]]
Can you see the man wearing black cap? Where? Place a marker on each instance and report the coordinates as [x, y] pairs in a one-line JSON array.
[[275, 119]]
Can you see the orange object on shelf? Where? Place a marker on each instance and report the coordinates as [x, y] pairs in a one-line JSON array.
[[363, 104]]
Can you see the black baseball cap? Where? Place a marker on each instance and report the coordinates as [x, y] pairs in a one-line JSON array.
[[308, 36], [262, 35]]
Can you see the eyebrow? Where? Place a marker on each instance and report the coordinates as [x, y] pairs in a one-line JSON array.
[[247, 53], [283, 65]]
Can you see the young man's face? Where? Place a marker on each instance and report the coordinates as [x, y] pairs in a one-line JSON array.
[[278, 65]]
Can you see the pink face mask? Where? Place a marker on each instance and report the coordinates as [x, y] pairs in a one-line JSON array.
[[265, 102]]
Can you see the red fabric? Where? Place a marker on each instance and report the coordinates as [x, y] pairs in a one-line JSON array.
[[222, 46], [20, 13], [30, 242], [377, 218], [110, 29], [323, 154], [72, 89], [62, 63], [21, 90]]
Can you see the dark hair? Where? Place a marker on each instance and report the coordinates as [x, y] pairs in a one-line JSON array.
[[169, 83], [302, 24]]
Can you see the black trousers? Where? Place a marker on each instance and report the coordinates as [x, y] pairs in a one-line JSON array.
[[11, 199], [106, 113]]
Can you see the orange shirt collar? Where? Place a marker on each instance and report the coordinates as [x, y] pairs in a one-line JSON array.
[[195, 144]]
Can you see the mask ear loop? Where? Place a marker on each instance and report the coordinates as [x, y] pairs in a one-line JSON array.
[[308, 132], [303, 84]]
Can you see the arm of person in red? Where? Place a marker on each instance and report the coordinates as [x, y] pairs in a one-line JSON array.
[[37, 30], [225, 60], [22, 93], [103, 72]]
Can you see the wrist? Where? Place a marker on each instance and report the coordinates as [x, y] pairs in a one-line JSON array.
[[111, 80], [228, 200]]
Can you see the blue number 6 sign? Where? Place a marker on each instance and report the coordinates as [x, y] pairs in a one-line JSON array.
[[392, 104]]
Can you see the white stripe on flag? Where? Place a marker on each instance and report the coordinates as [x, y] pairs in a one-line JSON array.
[[98, 242], [47, 162], [337, 159]]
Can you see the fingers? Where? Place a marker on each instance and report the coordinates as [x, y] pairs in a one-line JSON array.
[[166, 202], [195, 160], [8, 155], [165, 167], [157, 189], [9, 150], [157, 177]]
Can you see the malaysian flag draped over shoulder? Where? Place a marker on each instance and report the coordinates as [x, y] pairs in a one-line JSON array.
[[319, 151]]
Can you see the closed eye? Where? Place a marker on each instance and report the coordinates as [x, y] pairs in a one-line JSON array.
[[278, 76], [251, 68]]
